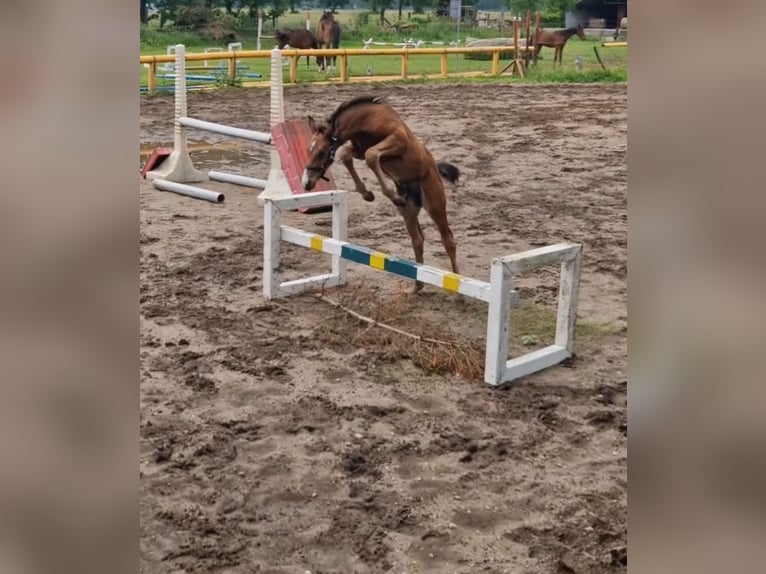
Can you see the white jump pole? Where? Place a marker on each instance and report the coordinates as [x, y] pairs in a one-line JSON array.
[[261, 137], [236, 179], [189, 190]]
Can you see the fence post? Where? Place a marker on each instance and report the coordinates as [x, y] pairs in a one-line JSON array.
[[443, 63], [495, 63], [151, 79], [293, 69], [232, 69], [343, 68], [404, 66]]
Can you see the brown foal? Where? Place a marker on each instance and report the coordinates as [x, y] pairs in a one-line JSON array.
[[367, 128]]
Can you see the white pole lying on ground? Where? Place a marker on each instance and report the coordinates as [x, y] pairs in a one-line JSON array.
[[190, 190], [236, 179]]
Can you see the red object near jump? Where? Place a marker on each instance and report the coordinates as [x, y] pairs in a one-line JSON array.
[[291, 138], [158, 156]]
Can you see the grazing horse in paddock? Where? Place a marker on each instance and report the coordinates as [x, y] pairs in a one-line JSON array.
[[298, 38], [366, 127], [328, 36], [556, 40]]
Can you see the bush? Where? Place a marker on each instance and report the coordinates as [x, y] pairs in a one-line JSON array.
[[152, 37], [360, 20], [219, 31], [192, 17]]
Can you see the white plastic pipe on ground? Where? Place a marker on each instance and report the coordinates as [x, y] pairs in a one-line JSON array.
[[189, 190], [237, 179]]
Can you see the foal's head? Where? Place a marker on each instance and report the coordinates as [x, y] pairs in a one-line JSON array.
[[580, 31], [321, 154]]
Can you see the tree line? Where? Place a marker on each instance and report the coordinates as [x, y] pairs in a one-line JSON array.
[[197, 13]]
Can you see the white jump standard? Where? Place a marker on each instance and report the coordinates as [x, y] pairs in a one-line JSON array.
[[498, 292], [178, 166], [497, 367]]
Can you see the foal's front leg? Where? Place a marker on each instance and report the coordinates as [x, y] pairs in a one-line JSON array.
[[345, 154], [389, 146]]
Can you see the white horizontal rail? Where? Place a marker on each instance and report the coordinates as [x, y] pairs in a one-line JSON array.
[[534, 361], [225, 130], [308, 200], [533, 258], [298, 286]]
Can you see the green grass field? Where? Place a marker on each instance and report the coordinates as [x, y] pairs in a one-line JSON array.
[[155, 41]]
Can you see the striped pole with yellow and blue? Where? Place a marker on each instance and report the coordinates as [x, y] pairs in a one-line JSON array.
[[402, 267]]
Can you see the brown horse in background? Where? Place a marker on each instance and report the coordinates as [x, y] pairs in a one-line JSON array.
[[298, 38], [367, 128], [556, 40], [328, 36]]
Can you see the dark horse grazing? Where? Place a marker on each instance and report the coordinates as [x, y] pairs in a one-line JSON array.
[[367, 128], [328, 36], [298, 38], [557, 40]]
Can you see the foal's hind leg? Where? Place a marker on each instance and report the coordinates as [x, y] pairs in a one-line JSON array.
[[345, 154], [390, 146], [410, 213], [435, 204]]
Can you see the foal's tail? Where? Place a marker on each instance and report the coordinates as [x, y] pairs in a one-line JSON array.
[[448, 171]]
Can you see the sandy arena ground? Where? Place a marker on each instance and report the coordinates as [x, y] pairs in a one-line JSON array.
[[288, 437]]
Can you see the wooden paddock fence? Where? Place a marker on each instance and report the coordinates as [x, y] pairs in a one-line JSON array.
[[343, 55]]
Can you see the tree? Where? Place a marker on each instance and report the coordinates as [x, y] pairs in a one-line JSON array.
[[380, 6], [552, 8], [521, 6], [252, 8], [167, 9], [419, 6], [560, 7], [144, 11], [278, 8], [333, 5], [232, 6]]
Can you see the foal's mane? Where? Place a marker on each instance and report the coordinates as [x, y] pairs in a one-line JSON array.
[[352, 103]]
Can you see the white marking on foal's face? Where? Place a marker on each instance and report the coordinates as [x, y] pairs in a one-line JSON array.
[[305, 179], [312, 145]]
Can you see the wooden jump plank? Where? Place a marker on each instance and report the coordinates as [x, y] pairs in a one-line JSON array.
[[291, 138]]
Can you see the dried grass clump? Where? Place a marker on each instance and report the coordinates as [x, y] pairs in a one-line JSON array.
[[390, 328]]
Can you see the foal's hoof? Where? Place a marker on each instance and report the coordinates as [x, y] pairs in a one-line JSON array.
[[417, 288], [368, 196]]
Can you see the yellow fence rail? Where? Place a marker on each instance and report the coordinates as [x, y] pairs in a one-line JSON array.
[[342, 55]]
